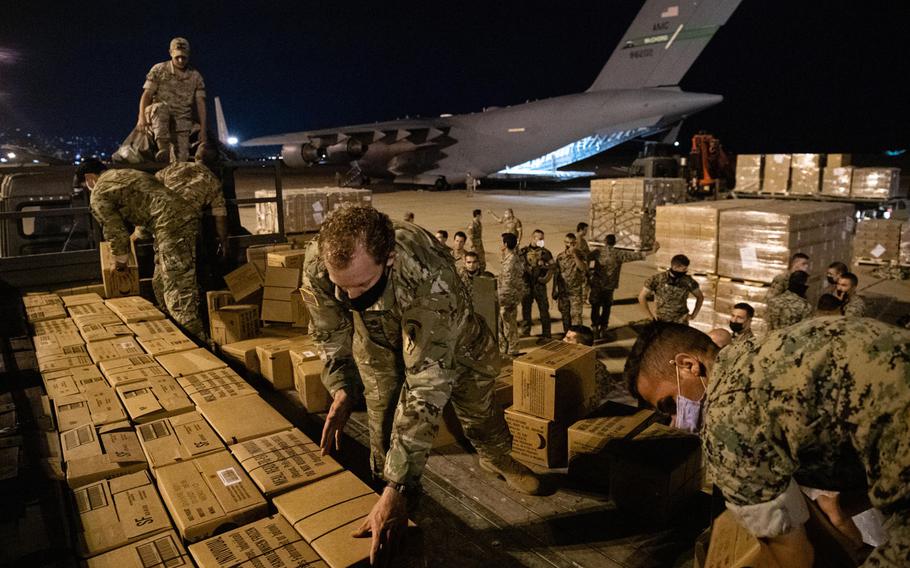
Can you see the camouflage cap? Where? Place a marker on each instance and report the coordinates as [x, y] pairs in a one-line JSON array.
[[180, 45]]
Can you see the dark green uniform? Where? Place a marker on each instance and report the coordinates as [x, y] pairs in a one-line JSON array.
[[419, 346], [787, 309], [569, 289], [670, 295], [826, 403], [604, 280]]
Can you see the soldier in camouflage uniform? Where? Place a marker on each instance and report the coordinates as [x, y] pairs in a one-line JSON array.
[[511, 222], [475, 234], [799, 261], [671, 291], [201, 189], [604, 280], [792, 306], [385, 304], [825, 403], [835, 269], [458, 250], [129, 196], [470, 269], [170, 92], [854, 305], [539, 268], [511, 288], [569, 284], [741, 322]]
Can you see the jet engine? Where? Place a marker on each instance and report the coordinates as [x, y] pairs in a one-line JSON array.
[[304, 155]]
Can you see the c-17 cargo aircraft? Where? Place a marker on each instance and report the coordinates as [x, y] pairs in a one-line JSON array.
[[635, 94]]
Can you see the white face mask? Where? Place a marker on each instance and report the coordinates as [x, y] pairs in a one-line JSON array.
[[540, 243], [688, 412]]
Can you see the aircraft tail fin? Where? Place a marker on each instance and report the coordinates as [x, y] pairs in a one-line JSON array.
[[665, 38], [220, 123]]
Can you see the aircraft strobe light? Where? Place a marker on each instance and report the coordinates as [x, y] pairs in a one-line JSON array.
[[11, 155], [676, 143], [232, 140]]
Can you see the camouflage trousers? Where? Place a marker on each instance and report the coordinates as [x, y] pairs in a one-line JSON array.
[[382, 372], [571, 305], [895, 551], [174, 281], [169, 131], [508, 339], [537, 294]]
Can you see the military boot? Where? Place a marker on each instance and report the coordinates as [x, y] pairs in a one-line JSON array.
[[163, 155], [517, 476]]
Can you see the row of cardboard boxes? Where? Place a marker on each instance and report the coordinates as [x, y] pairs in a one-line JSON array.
[[625, 208], [305, 208], [809, 174], [145, 435]]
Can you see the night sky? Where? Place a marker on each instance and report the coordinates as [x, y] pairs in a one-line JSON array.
[[821, 76]]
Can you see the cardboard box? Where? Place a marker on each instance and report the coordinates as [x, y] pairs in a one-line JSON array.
[[91, 455], [216, 299], [307, 369], [282, 461], [189, 362], [41, 299], [207, 493], [71, 411], [104, 405], [164, 343], [55, 341], [555, 382], [260, 419], [587, 439], [45, 313], [326, 512], [79, 299], [776, 178], [163, 550], [271, 541], [118, 282], [656, 473], [537, 440], [154, 398], [117, 348], [178, 438], [244, 282], [234, 323], [244, 352], [732, 546], [154, 327], [837, 181], [210, 386], [257, 255], [54, 326], [118, 511], [275, 360], [67, 382], [131, 369], [63, 359], [285, 258], [748, 173], [134, 309], [876, 183], [99, 329]]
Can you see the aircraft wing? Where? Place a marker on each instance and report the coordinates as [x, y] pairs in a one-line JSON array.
[[374, 129]]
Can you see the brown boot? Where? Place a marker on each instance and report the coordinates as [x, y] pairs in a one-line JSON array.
[[516, 475]]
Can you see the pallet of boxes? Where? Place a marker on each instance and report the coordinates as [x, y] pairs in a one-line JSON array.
[[626, 208], [157, 463], [737, 247], [305, 208]]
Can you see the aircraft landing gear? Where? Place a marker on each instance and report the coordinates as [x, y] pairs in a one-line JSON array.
[[441, 184]]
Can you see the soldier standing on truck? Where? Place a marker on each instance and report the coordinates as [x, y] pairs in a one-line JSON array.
[[170, 91]]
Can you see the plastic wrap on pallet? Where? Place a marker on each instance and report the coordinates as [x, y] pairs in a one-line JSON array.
[[706, 320], [690, 229], [748, 173], [776, 177], [755, 242], [837, 181], [305, 208], [837, 160], [730, 292], [637, 193], [876, 183], [882, 239], [806, 160], [339, 196], [634, 229], [805, 180]]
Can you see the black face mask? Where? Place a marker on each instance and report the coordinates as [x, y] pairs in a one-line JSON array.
[[675, 275], [371, 296], [798, 289], [831, 280], [736, 326]]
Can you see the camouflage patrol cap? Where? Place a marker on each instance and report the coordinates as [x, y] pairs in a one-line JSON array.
[[180, 45]]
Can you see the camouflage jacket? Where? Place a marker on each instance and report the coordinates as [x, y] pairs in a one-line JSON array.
[[196, 184], [742, 336], [608, 263], [176, 88], [458, 255], [855, 306], [511, 281], [475, 234], [583, 246], [571, 278], [787, 309], [426, 315], [512, 225], [538, 263], [824, 402], [778, 286], [124, 196], [670, 297]]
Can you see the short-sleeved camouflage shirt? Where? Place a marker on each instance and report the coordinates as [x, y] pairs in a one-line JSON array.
[[826, 402], [608, 263], [196, 184], [670, 295], [179, 89], [787, 309]]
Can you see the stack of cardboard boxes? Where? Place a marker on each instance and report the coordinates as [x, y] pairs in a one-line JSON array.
[[748, 173], [626, 208], [305, 208], [882, 240]]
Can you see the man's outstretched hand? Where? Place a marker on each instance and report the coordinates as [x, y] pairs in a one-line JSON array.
[[338, 416], [387, 524]]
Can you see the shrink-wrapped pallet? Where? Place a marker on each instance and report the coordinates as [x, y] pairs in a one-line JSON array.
[[305, 209], [886, 240], [707, 319], [637, 193], [876, 183], [690, 229], [776, 177], [805, 174], [748, 173], [731, 292], [634, 228], [837, 181]]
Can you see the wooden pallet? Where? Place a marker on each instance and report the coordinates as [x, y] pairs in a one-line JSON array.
[[870, 261], [744, 281]]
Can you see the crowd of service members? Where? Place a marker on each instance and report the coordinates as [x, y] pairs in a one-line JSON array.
[[817, 409]]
